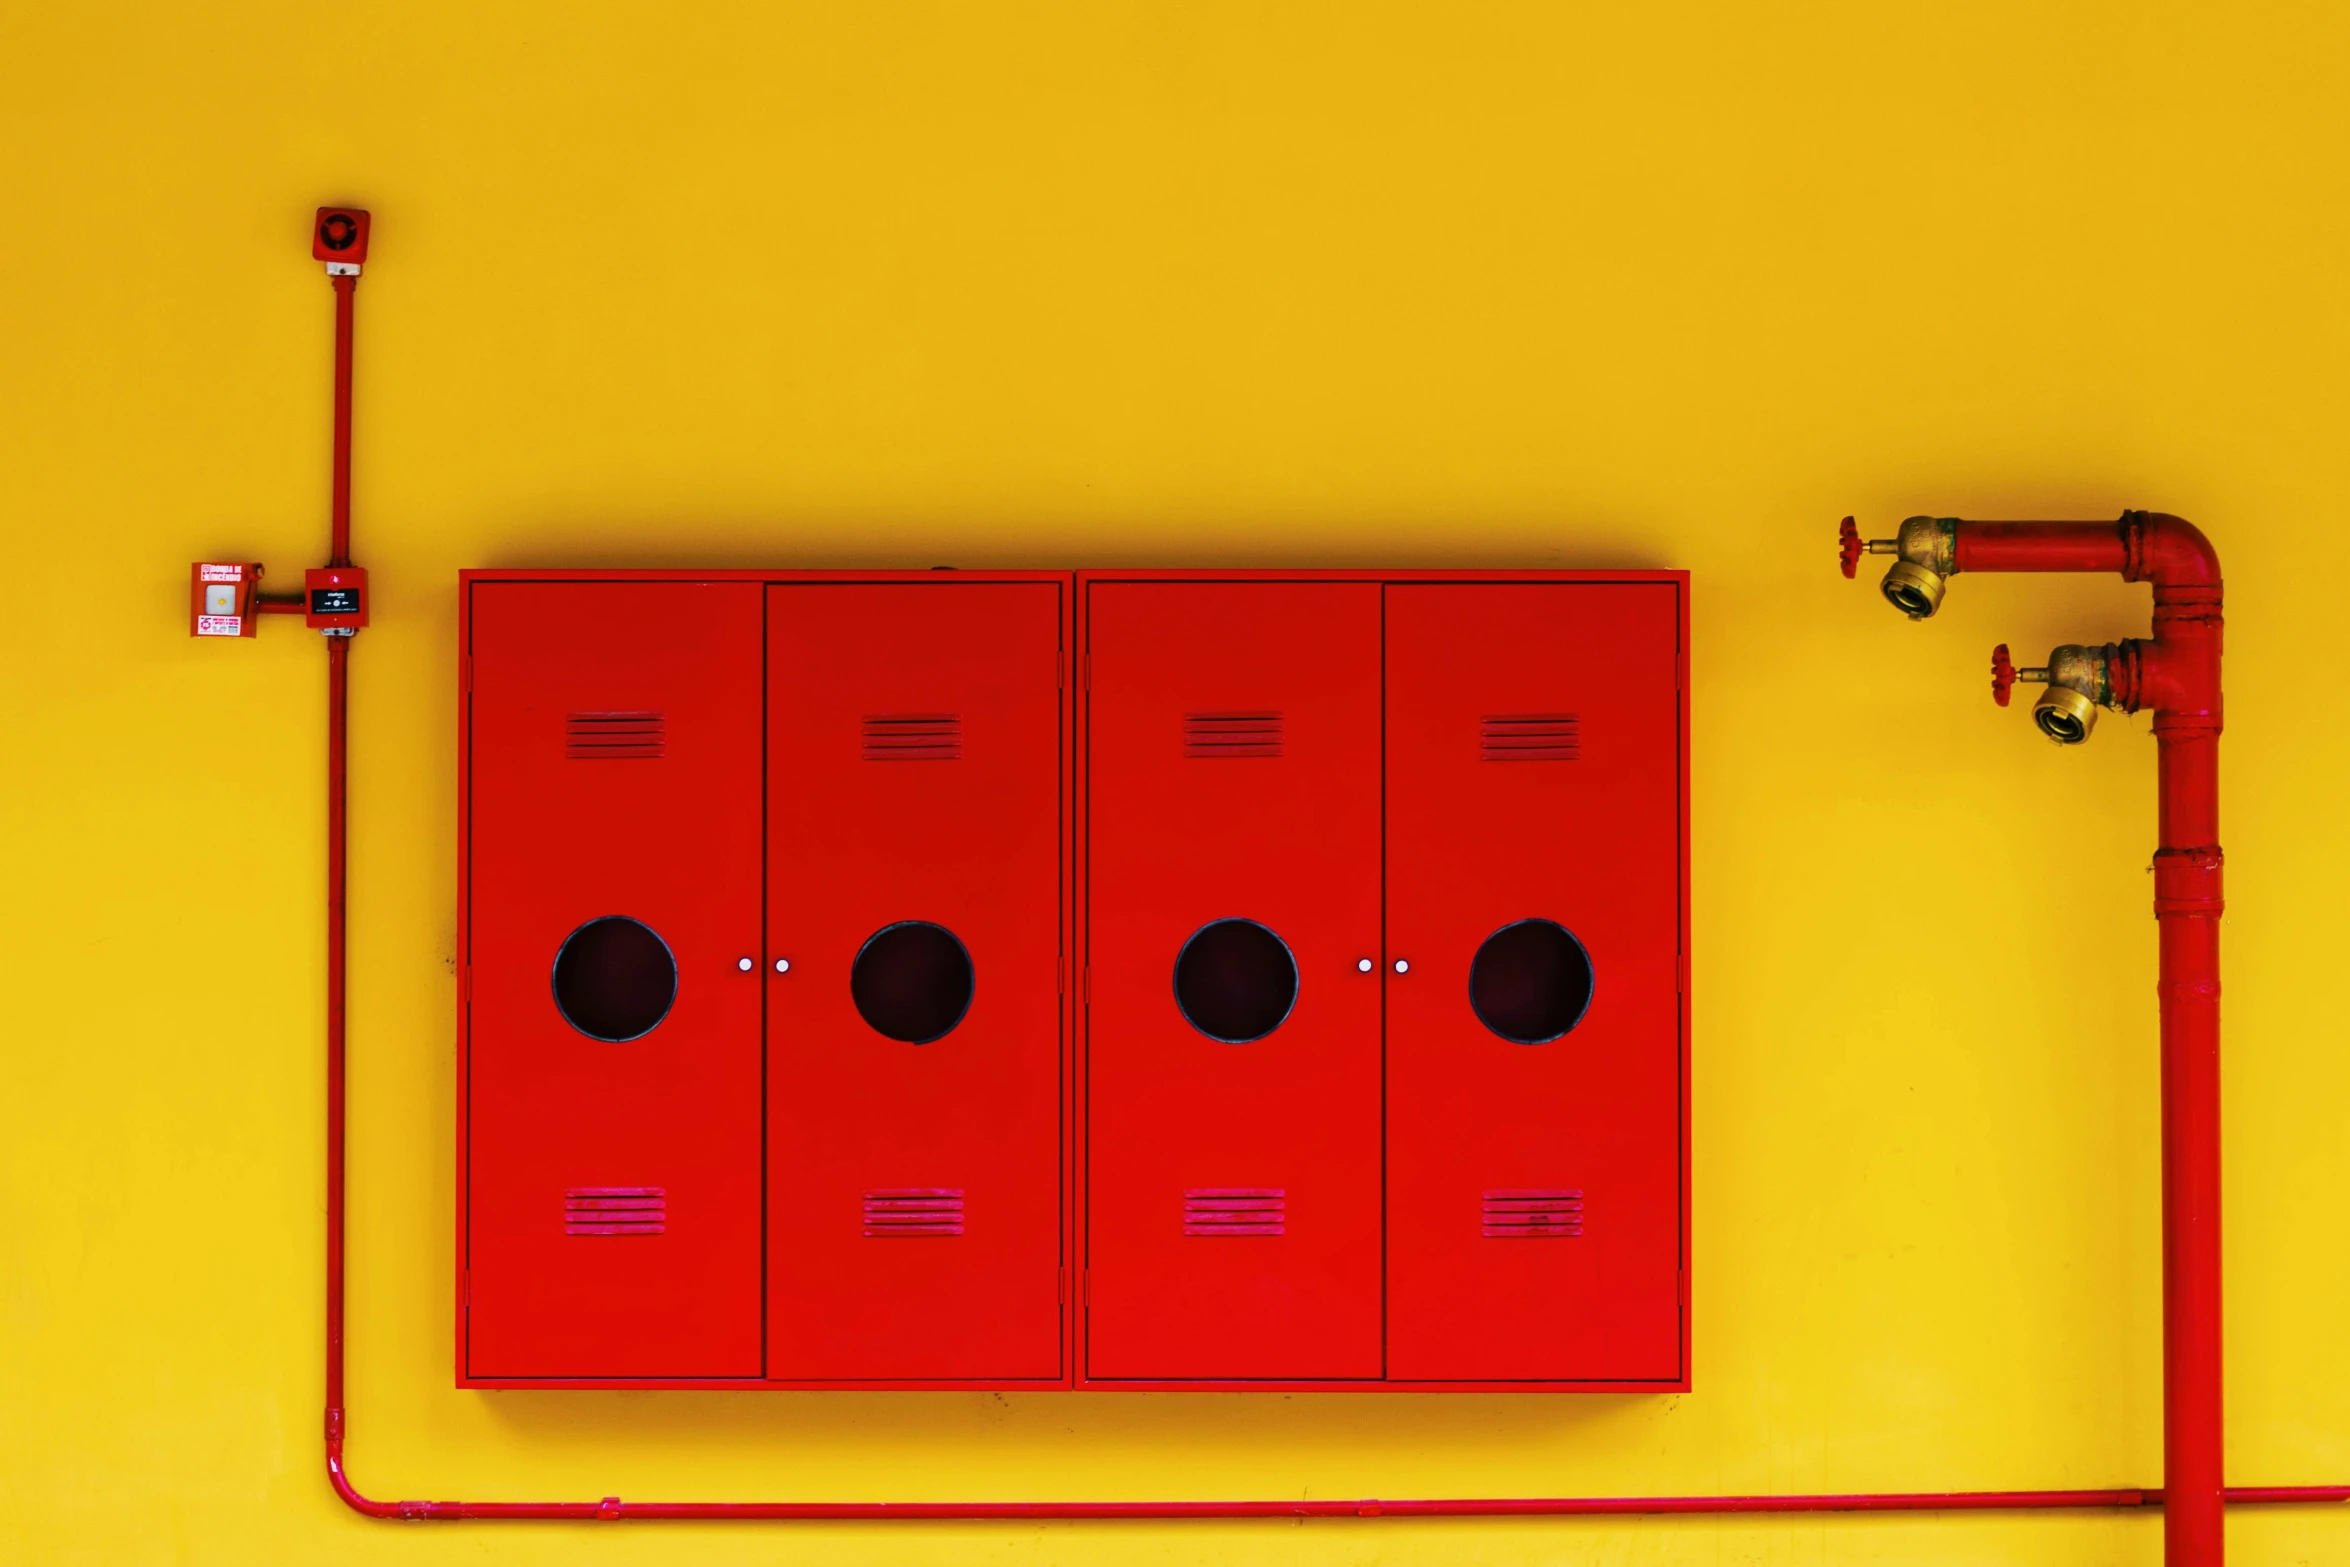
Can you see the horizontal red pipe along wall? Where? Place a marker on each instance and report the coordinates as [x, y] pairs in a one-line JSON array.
[[613, 1510], [2014, 546]]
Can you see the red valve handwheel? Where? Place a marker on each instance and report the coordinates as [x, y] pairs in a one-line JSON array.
[[2002, 675], [1848, 546]]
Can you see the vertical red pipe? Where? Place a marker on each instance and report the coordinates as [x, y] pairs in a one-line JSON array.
[[346, 285], [338, 710], [338, 688], [2177, 674], [2192, 1470], [2180, 672]]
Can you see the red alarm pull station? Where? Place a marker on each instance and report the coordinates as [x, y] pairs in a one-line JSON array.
[[223, 599], [339, 238], [335, 599]]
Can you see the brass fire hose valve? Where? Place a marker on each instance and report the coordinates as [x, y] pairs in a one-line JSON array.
[[1928, 551], [2079, 681]]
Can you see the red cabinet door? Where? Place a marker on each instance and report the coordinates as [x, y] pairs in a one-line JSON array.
[[915, 811], [1533, 817], [613, 1042], [1233, 1125]]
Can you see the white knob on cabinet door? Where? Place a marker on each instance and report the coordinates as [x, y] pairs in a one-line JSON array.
[[1364, 965], [745, 964], [1403, 965], [783, 965]]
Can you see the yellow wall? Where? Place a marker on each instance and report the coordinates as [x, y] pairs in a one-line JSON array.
[[1593, 284]]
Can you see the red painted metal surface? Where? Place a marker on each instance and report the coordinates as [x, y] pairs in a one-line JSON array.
[[2002, 675], [2039, 546], [915, 739], [2177, 674], [1233, 774], [1239, 733], [612, 1509], [338, 236], [338, 733], [572, 820], [334, 598], [1480, 837], [338, 880], [224, 599], [346, 287], [1849, 547]]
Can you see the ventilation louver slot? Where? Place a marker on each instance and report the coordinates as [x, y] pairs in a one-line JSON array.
[[615, 1210], [898, 1212], [1530, 737], [1235, 1210], [1533, 1215], [913, 737], [1217, 735], [614, 737]]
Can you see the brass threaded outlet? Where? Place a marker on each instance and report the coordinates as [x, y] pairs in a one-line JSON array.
[[2064, 715], [1913, 589]]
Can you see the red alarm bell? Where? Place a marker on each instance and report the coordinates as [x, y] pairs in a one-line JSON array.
[[339, 238]]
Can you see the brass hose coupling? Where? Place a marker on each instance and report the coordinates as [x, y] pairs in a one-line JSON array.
[[2079, 681], [1928, 551]]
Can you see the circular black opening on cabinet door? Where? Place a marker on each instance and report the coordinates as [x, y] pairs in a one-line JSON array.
[[614, 979], [912, 981], [1235, 981], [1531, 982]]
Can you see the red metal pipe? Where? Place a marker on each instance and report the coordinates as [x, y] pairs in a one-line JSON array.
[[612, 1509], [338, 708], [2288, 1493], [2182, 668], [2177, 674], [346, 286], [2040, 546]]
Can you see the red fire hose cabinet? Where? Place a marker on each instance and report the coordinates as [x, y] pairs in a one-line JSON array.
[[1385, 1033], [1025, 980], [765, 1037]]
